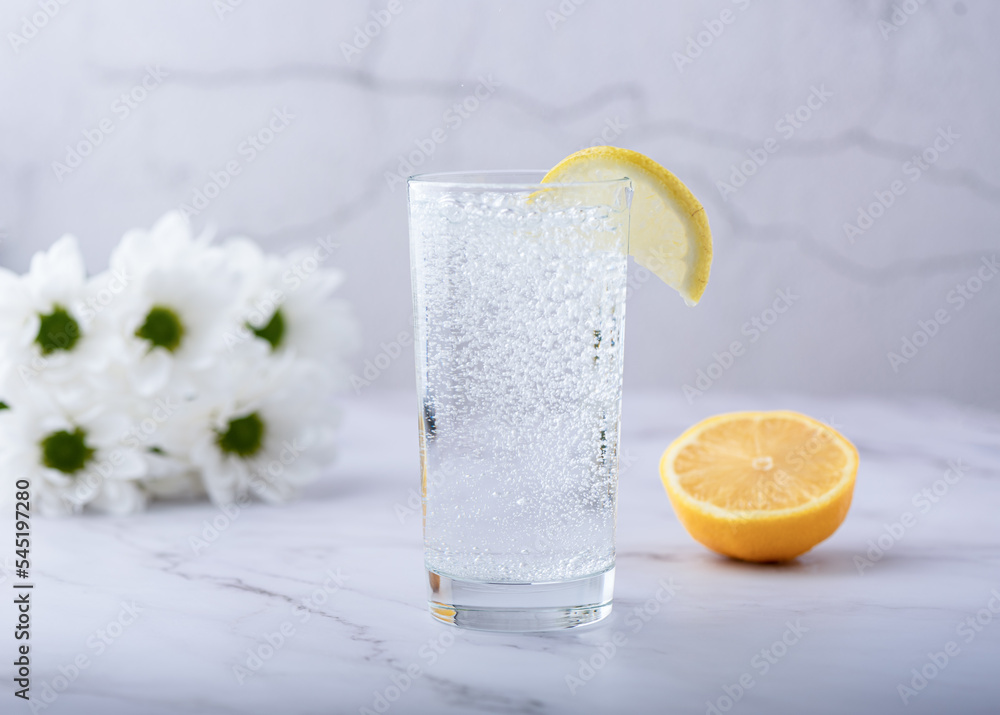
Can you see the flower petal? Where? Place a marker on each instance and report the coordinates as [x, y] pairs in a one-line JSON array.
[[152, 372]]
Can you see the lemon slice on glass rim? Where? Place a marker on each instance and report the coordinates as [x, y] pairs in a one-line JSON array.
[[669, 233]]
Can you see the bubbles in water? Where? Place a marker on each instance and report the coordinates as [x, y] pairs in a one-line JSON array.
[[520, 300]]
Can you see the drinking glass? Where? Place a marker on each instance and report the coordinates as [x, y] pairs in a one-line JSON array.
[[519, 316]]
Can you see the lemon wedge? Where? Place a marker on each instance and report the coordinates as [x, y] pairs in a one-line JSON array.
[[669, 233]]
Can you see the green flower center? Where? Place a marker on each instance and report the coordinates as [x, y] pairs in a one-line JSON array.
[[273, 332], [57, 331], [163, 329], [4, 405], [66, 451], [244, 436]]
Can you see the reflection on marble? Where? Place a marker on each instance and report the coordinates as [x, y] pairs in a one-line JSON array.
[[318, 607]]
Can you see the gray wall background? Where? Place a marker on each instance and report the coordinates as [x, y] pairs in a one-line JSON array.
[[564, 73]]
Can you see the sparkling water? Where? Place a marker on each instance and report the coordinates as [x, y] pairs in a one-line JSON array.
[[519, 302]]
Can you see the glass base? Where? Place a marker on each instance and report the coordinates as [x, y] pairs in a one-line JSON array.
[[520, 607]]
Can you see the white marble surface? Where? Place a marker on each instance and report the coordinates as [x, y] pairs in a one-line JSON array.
[[609, 67], [861, 633]]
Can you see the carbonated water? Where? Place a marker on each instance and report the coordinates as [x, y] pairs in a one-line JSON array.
[[519, 311]]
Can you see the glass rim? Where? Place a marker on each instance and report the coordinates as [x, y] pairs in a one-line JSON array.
[[481, 179]]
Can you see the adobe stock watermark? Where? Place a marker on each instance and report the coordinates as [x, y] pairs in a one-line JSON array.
[[634, 622], [761, 663], [453, 118], [968, 629], [377, 364], [138, 435], [117, 281], [413, 506], [68, 334], [369, 30], [803, 453], [428, 654], [270, 644], [912, 169], [923, 501], [121, 109], [229, 513], [265, 306], [248, 149], [212, 530], [32, 24], [559, 14], [958, 297], [640, 275], [84, 311], [753, 329], [701, 41], [786, 127], [97, 644], [901, 12], [434, 477], [610, 130], [224, 8]]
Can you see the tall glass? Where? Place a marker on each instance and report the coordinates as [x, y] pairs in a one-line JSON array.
[[519, 317]]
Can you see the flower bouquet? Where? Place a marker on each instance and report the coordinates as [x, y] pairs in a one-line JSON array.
[[187, 368]]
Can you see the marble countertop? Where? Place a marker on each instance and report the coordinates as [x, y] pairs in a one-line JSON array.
[[319, 606]]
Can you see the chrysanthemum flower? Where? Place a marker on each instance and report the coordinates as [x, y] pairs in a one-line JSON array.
[[172, 317], [285, 307], [266, 429], [71, 451], [46, 332]]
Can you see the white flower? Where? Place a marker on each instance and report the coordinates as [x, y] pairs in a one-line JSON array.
[[172, 316], [286, 308], [185, 368], [46, 331], [265, 427], [149, 415], [71, 451]]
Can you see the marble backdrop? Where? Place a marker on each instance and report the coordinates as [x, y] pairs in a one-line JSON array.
[[846, 153]]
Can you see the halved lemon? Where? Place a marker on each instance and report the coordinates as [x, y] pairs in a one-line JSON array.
[[669, 231], [760, 486]]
